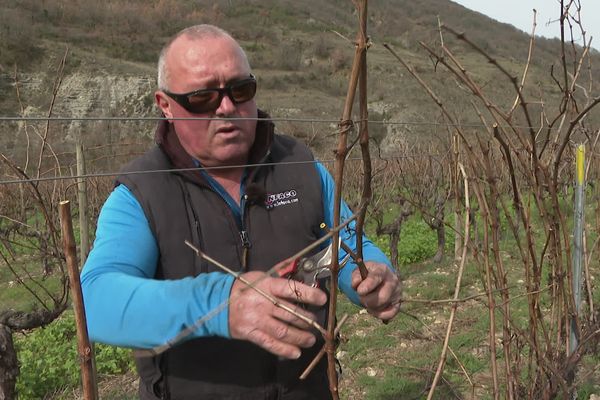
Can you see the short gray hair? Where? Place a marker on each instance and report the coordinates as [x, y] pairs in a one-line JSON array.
[[201, 31]]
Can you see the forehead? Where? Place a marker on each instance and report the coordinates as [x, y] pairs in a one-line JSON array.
[[195, 63]]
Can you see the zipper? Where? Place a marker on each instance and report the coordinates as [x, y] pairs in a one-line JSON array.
[[244, 236], [245, 239], [190, 205], [243, 232]]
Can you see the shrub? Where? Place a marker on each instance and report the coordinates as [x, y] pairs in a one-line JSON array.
[[417, 242], [339, 60], [288, 55], [321, 47], [49, 361]]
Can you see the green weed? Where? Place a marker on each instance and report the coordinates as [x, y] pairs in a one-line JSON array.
[[49, 363]]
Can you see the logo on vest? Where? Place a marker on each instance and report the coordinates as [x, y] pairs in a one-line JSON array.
[[281, 199]]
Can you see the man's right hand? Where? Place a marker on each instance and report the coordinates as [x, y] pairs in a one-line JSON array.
[[254, 318]]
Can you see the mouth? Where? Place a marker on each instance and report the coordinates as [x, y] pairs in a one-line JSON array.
[[227, 129]]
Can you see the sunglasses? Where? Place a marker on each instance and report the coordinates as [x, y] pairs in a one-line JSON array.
[[207, 100]]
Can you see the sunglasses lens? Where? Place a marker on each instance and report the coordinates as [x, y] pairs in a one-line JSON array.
[[207, 100], [203, 101], [244, 91]]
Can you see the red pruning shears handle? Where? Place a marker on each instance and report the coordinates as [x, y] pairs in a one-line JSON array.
[[309, 269], [287, 270]]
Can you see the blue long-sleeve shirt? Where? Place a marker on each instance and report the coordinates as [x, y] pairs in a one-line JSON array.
[[126, 306]]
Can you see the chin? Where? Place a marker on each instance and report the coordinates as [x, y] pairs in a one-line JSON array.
[[233, 159]]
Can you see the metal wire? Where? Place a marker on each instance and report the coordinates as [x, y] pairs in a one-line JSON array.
[[274, 119], [107, 174]]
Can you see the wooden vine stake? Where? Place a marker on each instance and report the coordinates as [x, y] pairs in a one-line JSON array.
[[346, 125], [84, 348]]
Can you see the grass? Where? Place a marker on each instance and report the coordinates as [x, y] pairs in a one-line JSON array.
[[409, 350], [23, 291], [381, 361], [16, 296], [398, 360]]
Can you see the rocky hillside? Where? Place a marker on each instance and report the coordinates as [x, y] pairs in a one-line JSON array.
[[297, 49]]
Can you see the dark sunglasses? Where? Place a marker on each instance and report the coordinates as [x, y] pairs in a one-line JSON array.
[[206, 100]]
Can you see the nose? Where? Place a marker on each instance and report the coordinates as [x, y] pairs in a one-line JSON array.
[[226, 107]]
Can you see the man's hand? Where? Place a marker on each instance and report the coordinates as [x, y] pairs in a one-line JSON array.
[[254, 318], [380, 292]]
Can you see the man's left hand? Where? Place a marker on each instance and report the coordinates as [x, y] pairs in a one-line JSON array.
[[380, 292]]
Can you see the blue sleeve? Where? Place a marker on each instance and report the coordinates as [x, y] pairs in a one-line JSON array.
[[348, 235], [125, 306]]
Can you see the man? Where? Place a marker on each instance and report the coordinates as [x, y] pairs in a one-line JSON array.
[[142, 285]]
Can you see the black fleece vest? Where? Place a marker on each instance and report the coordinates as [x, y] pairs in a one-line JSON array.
[[282, 215]]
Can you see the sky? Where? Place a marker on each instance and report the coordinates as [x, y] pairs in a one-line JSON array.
[[520, 14]]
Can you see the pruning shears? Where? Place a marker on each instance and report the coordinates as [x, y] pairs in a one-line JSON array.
[[309, 270]]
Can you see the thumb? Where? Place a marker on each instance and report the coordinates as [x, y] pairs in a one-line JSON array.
[[356, 278]]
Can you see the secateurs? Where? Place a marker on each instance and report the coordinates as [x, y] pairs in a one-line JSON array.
[[309, 270]]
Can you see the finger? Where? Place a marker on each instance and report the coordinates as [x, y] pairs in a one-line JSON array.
[[378, 299], [373, 268], [285, 316], [390, 291], [371, 284], [356, 278], [281, 338], [281, 331], [388, 313], [378, 273], [297, 292], [274, 346]]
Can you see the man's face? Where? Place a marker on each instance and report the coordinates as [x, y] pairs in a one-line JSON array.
[[205, 64]]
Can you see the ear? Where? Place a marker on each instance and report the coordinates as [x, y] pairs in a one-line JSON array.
[[163, 103]]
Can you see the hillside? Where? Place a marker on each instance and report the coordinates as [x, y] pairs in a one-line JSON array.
[[296, 48]]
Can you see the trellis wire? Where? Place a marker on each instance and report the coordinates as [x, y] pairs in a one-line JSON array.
[[109, 174], [273, 119]]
